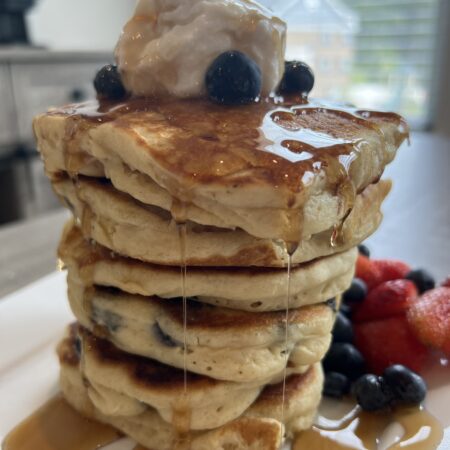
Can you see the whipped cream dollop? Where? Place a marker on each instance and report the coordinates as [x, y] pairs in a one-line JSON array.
[[168, 45]]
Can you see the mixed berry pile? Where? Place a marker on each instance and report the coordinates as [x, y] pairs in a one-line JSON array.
[[392, 321]]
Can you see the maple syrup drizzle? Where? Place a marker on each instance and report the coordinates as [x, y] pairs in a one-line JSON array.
[[338, 230], [74, 158], [290, 250], [361, 430], [287, 141], [60, 265], [181, 421], [277, 136], [57, 426], [181, 415], [182, 231]]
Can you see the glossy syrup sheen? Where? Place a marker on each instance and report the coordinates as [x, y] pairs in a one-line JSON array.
[[181, 417], [57, 426], [290, 251], [275, 141], [282, 145], [363, 431]]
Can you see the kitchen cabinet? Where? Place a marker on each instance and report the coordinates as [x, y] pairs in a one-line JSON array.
[[8, 129], [39, 86], [31, 81]]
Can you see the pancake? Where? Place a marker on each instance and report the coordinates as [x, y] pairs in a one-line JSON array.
[[259, 428], [149, 234], [152, 432], [249, 289], [121, 384], [302, 397], [137, 383], [278, 170], [221, 343]]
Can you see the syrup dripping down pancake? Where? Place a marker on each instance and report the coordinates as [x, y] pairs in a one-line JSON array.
[[278, 169]]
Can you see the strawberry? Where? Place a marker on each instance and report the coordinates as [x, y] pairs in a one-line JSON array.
[[446, 282], [368, 272], [389, 341], [429, 318], [391, 298], [391, 269]]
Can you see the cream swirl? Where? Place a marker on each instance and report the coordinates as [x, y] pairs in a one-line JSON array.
[[168, 45]]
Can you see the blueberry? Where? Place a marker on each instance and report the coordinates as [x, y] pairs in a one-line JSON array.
[[108, 319], [357, 292], [406, 386], [346, 359], [298, 78], [364, 250], [78, 346], [371, 393], [423, 280], [332, 303], [233, 79], [164, 338], [108, 83], [343, 330], [336, 385], [346, 310]]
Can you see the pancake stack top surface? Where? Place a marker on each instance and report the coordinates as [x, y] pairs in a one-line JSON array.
[[208, 250]]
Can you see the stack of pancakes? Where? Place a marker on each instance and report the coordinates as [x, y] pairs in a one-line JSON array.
[[209, 249]]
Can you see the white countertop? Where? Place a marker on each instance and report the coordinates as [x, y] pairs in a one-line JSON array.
[[22, 54]]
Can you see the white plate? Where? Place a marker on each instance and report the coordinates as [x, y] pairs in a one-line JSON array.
[[32, 321]]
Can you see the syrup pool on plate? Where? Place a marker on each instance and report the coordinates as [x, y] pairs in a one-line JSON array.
[[415, 429], [57, 426]]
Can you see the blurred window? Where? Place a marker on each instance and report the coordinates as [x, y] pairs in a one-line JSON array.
[[375, 53], [325, 65], [395, 53], [326, 38]]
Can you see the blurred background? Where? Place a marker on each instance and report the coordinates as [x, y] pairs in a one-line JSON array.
[[383, 54]]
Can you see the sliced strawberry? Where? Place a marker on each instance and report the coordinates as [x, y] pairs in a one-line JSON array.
[[368, 272], [391, 298], [446, 282], [391, 269], [389, 341], [429, 318]]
